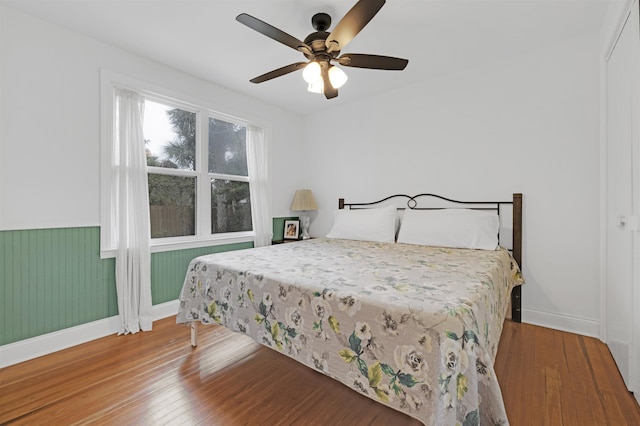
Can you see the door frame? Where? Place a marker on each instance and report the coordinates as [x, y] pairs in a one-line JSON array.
[[617, 21]]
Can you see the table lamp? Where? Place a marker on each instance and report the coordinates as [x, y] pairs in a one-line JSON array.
[[303, 201]]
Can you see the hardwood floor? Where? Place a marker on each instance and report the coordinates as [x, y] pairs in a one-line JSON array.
[[547, 377]]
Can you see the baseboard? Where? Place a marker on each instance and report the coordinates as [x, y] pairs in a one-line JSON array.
[[166, 309], [27, 349], [34, 347], [583, 326]]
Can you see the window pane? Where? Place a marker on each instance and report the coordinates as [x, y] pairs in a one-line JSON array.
[[169, 136], [227, 148], [172, 201], [230, 206]]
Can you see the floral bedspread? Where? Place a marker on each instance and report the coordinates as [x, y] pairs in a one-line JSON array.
[[413, 327]]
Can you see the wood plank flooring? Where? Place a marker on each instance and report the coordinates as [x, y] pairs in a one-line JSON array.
[[547, 378]]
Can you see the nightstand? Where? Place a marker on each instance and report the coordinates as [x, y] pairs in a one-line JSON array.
[[283, 241]]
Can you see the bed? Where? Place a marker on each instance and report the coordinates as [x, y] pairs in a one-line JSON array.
[[413, 326]]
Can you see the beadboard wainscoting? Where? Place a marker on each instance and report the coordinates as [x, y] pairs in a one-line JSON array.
[[55, 288]]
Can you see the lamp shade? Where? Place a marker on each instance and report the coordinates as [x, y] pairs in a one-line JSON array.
[[303, 200], [311, 72], [316, 87], [337, 77]]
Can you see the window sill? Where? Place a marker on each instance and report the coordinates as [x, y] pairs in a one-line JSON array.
[[159, 245]]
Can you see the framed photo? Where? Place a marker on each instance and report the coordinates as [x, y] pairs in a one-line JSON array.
[[291, 229]]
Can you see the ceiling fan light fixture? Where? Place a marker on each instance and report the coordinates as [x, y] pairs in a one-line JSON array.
[[322, 47], [337, 77], [311, 72], [316, 86]]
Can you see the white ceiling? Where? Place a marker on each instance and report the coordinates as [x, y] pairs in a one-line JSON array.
[[202, 37]]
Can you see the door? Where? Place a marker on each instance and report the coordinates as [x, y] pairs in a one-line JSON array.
[[621, 220]]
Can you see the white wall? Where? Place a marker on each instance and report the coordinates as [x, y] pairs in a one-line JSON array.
[[2, 36], [526, 124], [49, 157]]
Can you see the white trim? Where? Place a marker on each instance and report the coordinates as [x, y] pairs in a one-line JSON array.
[[165, 310], [169, 244], [24, 350], [629, 11], [204, 109], [159, 245], [107, 112], [57, 225], [577, 325], [234, 178], [618, 18], [610, 38], [602, 334], [634, 350], [203, 191], [179, 98], [171, 172], [34, 347]]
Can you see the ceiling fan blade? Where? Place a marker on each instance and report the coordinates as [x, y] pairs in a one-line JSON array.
[[376, 62], [279, 72], [273, 32], [329, 91], [352, 23]]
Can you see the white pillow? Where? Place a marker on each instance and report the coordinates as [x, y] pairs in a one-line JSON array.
[[461, 228], [365, 224]]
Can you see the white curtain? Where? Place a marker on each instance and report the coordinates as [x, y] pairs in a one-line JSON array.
[[130, 205], [259, 187]]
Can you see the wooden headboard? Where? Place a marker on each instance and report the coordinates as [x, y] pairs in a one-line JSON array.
[[436, 202]]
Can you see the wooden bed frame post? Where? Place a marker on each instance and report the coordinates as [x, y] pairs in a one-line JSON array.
[[516, 293], [194, 333]]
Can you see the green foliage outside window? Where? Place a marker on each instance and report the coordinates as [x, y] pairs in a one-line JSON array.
[[172, 199]]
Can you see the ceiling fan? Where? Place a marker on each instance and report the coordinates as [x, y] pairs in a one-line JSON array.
[[321, 48]]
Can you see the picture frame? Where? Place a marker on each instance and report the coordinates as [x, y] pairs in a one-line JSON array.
[[291, 230]]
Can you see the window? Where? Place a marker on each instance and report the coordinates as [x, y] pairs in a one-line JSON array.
[[170, 145], [198, 180], [229, 177], [207, 172]]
